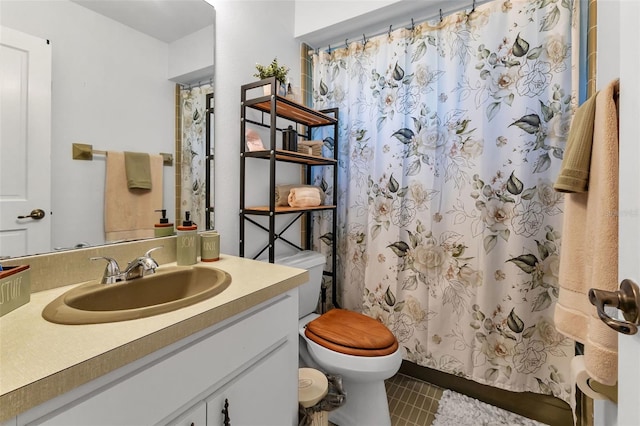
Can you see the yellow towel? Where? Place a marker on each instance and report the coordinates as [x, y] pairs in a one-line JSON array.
[[574, 174], [138, 169], [589, 256], [129, 213]]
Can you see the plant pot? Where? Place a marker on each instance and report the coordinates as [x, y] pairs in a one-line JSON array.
[[280, 89]]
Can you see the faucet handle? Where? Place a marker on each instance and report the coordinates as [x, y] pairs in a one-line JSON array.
[[148, 253], [111, 271], [151, 263]]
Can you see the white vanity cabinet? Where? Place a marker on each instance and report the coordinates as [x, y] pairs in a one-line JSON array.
[[195, 416], [250, 359], [252, 397]]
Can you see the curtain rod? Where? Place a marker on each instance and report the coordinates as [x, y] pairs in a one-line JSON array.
[[406, 24], [200, 83]]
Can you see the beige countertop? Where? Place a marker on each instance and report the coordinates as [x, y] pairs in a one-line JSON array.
[[40, 360]]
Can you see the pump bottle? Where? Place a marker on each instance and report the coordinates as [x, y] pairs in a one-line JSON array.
[[187, 242]]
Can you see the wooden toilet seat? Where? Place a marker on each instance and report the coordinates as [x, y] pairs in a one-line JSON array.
[[351, 333]]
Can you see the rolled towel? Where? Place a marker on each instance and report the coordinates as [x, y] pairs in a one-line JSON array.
[[282, 193], [304, 197]]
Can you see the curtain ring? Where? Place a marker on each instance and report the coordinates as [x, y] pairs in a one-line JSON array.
[[473, 9], [390, 30], [441, 15], [346, 43], [413, 27], [364, 40]]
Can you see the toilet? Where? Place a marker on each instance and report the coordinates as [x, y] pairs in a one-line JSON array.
[[360, 349]]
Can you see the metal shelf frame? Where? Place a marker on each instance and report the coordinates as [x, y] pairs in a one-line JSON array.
[[273, 107]]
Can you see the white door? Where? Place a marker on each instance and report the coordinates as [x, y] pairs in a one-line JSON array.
[[25, 143], [628, 412]]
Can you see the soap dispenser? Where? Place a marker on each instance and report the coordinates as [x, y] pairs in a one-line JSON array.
[[164, 228], [187, 247]]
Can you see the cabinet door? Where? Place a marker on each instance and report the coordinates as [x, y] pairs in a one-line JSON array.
[[196, 416], [259, 396]]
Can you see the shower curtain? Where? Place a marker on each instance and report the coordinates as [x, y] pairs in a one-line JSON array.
[[193, 118], [451, 135]]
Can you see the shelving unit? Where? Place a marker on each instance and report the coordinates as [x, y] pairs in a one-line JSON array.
[[271, 108]]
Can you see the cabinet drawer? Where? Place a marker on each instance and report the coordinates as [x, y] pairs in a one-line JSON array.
[[160, 390]]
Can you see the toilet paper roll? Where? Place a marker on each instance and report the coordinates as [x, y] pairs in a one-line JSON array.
[[580, 377]]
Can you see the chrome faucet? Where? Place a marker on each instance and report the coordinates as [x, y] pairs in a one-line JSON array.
[[137, 268]]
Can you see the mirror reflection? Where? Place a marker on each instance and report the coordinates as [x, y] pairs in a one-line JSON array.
[[120, 72]]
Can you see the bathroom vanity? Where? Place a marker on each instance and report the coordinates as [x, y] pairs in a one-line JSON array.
[[232, 357]]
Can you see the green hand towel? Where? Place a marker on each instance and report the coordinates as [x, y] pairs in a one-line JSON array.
[[574, 173], [138, 169]]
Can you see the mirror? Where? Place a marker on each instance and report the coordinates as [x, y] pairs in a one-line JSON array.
[[116, 65]]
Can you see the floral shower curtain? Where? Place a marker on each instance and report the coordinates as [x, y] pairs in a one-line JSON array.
[[193, 112], [449, 228]]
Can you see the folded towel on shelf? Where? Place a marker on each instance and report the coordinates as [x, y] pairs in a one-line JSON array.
[[574, 173], [129, 213], [589, 256], [138, 169], [304, 197], [311, 147], [282, 193]]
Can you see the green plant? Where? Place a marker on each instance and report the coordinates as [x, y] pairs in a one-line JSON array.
[[272, 70]]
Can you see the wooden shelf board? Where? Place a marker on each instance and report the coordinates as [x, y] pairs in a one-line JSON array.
[[295, 111], [292, 156], [285, 209]]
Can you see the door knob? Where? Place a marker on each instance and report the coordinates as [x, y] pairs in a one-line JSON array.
[[36, 214], [627, 299]]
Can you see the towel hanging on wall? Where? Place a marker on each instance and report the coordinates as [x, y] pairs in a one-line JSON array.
[[129, 214], [138, 169], [589, 256]]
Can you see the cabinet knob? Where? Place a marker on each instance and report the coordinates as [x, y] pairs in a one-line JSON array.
[[225, 412]]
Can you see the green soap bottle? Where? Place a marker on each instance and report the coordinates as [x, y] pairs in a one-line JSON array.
[[164, 228], [187, 242]]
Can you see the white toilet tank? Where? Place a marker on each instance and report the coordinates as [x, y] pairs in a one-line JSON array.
[[309, 292]]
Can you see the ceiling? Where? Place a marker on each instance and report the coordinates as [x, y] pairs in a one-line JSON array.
[[166, 20]]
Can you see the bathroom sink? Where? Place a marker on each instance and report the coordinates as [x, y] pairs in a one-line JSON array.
[[168, 289]]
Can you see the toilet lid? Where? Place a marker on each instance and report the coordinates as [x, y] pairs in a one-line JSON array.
[[351, 333]]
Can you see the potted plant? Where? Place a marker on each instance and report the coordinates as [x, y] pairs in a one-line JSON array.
[[273, 70]]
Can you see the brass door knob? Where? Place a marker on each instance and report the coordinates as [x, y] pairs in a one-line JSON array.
[[36, 214], [627, 299]]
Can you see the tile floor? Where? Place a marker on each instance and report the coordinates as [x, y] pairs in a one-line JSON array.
[[412, 402]]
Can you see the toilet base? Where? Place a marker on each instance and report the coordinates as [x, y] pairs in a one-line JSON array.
[[366, 404]]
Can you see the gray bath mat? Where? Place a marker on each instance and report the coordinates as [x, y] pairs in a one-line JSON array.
[[460, 410]]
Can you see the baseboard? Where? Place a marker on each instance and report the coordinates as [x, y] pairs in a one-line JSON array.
[[543, 408]]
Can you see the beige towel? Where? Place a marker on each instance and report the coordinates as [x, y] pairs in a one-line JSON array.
[[129, 213], [589, 256], [308, 196], [574, 174], [138, 168], [282, 193]]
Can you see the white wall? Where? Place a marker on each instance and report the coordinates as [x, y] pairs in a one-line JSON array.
[[191, 57], [247, 32]]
